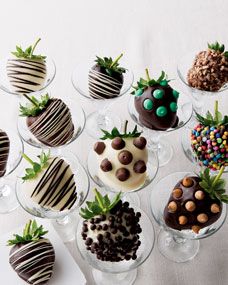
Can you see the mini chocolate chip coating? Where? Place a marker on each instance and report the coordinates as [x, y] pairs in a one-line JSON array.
[[122, 174], [118, 143], [99, 147], [125, 157], [140, 142], [139, 167], [106, 165], [196, 211]]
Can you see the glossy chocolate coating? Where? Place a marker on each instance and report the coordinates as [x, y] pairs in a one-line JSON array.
[[4, 152], [202, 207], [149, 118]]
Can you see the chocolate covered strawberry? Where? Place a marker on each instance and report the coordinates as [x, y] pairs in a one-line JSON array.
[[106, 78], [4, 151], [26, 72], [122, 158], [49, 120], [209, 139], [196, 202], [111, 228], [156, 102], [32, 256]]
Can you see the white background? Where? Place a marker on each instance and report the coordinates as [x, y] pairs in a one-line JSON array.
[[152, 34]]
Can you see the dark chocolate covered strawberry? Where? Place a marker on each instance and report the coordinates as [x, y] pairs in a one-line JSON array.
[[156, 102], [49, 120], [106, 78], [196, 202], [4, 151], [32, 256], [111, 228]]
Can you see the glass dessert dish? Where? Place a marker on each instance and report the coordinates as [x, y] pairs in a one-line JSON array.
[[156, 138], [200, 97], [178, 245], [8, 200], [76, 118], [46, 207], [123, 272], [103, 118]]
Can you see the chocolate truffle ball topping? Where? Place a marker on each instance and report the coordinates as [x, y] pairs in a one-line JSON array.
[[125, 157], [140, 142], [99, 147], [177, 193], [139, 167], [122, 174], [118, 143], [106, 165]]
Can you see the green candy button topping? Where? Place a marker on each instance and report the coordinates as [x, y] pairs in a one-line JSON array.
[[164, 83], [139, 92], [148, 104], [176, 94], [158, 93], [161, 111], [173, 106]]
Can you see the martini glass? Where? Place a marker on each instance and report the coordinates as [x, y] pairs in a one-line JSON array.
[[156, 139], [65, 219], [200, 97], [5, 83], [102, 118], [178, 246], [123, 272], [78, 119], [8, 200]]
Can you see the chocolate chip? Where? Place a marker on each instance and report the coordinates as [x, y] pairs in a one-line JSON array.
[[99, 147], [106, 165], [118, 143], [122, 174], [93, 227], [88, 241], [125, 157], [140, 142], [139, 167]]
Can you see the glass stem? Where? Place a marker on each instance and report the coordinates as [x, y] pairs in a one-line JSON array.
[[3, 189], [179, 240], [153, 138], [63, 221]]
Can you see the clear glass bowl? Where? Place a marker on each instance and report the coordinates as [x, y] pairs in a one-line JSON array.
[[178, 246], [8, 201], [104, 117], [200, 97], [155, 138], [123, 272], [78, 118], [5, 83]]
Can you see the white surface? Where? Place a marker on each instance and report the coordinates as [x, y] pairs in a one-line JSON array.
[[151, 34], [65, 271]]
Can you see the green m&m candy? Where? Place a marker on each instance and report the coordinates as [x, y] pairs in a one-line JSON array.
[[161, 111], [148, 104], [158, 93], [175, 94], [173, 106], [139, 92]]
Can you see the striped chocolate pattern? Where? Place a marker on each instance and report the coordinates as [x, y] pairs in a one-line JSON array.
[[102, 86], [26, 75], [56, 188], [33, 261], [4, 152], [54, 126]]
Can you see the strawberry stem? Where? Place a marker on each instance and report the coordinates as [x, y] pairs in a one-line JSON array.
[[30, 99], [218, 176], [27, 158], [216, 111], [99, 200], [147, 74], [125, 126], [34, 46], [116, 60]]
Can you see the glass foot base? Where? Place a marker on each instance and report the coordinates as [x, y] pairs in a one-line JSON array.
[[96, 121], [133, 199], [103, 278], [66, 227], [8, 199], [165, 153], [175, 248]]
